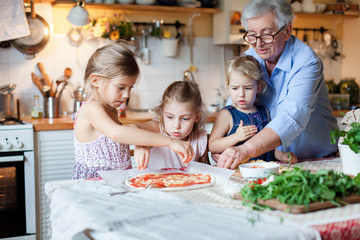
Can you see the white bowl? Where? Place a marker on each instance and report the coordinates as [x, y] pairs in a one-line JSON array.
[[256, 170]]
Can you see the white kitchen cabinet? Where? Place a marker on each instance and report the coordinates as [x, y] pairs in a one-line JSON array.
[[55, 159]]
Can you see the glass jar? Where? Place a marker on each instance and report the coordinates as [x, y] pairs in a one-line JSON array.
[[331, 86], [36, 110], [348, 85]]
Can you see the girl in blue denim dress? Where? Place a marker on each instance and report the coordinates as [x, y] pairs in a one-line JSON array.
[[245, 117]]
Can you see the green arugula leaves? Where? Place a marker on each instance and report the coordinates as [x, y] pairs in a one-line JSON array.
[[301, 187]]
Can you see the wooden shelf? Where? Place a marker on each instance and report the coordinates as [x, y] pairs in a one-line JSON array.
[[325, 15], [135, 7]]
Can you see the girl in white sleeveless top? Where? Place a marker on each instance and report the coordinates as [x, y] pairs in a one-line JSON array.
[[180, 116]]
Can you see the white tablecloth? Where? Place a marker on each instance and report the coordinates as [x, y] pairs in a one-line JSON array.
[[83, 206]]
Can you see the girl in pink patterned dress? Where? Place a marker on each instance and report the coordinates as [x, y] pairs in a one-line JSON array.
[[101, 141], [180, 116]]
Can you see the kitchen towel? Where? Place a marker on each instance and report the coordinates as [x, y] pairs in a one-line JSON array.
[[13, 21]]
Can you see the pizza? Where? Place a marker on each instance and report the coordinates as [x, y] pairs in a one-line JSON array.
[[173, 181]]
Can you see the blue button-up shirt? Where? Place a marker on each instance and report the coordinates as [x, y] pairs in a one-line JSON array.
[[298, 101]]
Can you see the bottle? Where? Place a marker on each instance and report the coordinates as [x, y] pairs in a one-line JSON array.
[[37, 110]]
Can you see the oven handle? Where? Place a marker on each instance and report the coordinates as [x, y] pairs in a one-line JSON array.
[[17, 158]]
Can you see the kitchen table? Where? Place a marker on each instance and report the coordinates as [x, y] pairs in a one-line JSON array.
[[82, 207]]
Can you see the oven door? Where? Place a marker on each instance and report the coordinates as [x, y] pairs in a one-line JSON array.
[[12, 196]]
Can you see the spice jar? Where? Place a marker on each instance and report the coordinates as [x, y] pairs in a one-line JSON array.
[[348, 85]]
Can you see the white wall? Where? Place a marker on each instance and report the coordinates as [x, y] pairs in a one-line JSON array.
[[155, 77], [351, 61]]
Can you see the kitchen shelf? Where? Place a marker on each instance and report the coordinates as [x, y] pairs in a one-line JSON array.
[[135, 7], [325, 15]]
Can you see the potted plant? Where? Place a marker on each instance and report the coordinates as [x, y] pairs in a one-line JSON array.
[[349, 147], [110, 28]]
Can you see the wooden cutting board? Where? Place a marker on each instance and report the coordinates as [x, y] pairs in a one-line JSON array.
[[296, 209]]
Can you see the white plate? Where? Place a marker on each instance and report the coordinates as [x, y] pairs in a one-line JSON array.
[[195, 186]]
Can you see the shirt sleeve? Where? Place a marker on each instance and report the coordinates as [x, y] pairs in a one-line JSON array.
[[297, 98]]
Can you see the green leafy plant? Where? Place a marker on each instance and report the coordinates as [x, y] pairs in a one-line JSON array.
[[302, 187], [350, 138]]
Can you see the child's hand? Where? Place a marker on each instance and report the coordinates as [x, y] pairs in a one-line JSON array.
[[245, 132], [142, 155], [289, 157], [183, 149]]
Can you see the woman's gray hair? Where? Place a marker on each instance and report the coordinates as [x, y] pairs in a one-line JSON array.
[[281, 8]]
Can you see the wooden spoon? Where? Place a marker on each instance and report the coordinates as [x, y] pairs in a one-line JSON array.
[[46, 77], [68, 72], [37, 82]]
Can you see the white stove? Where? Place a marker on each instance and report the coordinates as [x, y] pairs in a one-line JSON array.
[[17, 181]]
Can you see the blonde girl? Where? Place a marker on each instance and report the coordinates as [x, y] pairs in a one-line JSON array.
[[179, 116], [245, 117], [101, 141]]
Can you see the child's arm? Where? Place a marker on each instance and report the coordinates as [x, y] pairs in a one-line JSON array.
[[103, 122], [288, 157], [142, 153], [142, 156], [218, 141]]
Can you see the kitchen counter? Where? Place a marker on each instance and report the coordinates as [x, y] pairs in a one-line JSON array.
[[66, 122], [132, 117]]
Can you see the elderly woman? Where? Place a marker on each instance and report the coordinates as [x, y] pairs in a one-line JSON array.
[[296, 96]]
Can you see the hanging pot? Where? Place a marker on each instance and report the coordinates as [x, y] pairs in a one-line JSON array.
[[39, 35]]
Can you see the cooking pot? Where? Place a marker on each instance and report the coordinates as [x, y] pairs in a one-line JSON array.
[[6, 101], [39, 35], [6, 105]]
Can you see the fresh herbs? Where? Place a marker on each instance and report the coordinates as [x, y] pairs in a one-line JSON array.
[[350, 138], [301, 187]]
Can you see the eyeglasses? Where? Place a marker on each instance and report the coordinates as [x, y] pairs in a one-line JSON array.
[[267, 38]]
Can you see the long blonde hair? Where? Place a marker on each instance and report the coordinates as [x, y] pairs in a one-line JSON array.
[[184, 92], [111, 61]]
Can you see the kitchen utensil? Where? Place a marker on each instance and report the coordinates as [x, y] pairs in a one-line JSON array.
[[62, 89], [52, 107], [192, 67], [36, 81], [39, 37], [64, 78], [68, 72], [144, 51], [6, 105], [7, 88], [46, 77], [152, 185]]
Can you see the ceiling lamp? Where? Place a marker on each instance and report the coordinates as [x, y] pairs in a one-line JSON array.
[[78, 15]]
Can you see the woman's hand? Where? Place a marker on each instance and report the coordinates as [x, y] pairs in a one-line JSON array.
[[232, 157], [183, 149], [142, 155], [245, 132]]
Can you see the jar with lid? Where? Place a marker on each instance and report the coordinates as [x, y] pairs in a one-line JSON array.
[[331, 86], [348, 85], [37, 110]]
